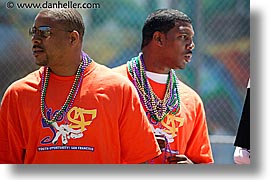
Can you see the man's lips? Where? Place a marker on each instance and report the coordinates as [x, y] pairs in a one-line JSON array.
[[36, 50], [187, 57]]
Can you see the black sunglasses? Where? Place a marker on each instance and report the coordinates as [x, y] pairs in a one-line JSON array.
[[42, 31]]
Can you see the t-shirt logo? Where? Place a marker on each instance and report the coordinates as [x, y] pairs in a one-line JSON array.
[[168, 127], [75, 123], [172, 124], [75, 113]]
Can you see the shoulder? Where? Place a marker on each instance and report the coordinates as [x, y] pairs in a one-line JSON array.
[[107, 72], [110, 77], [122, 69], [30, 81], [24, 86], [186, 89], [188, 93]]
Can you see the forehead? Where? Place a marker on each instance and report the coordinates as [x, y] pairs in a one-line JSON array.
[[183, 27], [43, 19]]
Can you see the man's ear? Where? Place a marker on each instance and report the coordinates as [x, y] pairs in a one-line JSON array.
[[158, 38], [74, 38]]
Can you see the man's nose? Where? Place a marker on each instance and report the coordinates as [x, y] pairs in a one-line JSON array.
[[191, 45], [36, 39]]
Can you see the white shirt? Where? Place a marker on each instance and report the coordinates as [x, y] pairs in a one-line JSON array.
[[159, 78]]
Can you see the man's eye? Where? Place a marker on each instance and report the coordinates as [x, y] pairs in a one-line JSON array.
[[44, 33], [186, 37], [183, 36]]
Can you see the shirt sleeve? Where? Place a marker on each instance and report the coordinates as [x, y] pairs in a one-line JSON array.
[[11, 138], [138, 142]]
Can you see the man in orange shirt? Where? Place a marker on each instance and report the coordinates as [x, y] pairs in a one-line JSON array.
[[71, 110], [175, 111]]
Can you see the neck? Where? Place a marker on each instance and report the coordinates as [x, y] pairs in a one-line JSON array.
[[153, 62], [68, 68]]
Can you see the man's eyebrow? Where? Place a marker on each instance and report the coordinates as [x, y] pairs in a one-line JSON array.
[[186, 33]]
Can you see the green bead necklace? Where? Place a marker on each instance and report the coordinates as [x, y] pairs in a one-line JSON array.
[[157, 108], [72, 94]]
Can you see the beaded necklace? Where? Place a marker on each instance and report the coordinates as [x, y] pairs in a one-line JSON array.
[[157, 108], [86, 60]]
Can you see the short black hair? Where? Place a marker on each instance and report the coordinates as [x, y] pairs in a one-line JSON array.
[[69, 17], [161, 20]]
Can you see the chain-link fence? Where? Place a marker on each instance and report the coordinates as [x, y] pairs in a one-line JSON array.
[[219, 70]]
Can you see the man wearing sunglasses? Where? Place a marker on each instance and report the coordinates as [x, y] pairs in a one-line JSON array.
[[71, 110]]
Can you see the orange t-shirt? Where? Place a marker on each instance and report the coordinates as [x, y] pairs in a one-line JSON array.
[[106, 123], [187, 131]]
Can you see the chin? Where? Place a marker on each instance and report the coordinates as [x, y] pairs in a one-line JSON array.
[[182, 66], [40, 62]]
